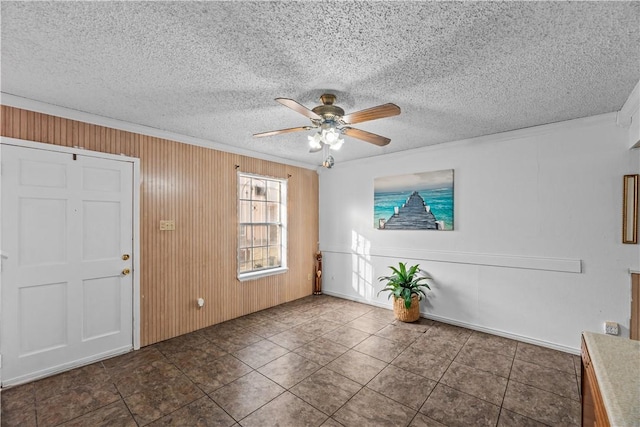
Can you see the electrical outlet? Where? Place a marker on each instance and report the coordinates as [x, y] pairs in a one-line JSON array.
[[611, 328], [167, 225], [309, 276]]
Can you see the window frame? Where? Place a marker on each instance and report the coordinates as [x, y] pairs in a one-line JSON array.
[[242, 248]]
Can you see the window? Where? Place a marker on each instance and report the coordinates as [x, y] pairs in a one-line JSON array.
[[262, 226]]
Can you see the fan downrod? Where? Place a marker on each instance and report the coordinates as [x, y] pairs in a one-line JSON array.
[[328, 99]]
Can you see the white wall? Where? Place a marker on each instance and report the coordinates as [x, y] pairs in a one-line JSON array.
[[536, 253]]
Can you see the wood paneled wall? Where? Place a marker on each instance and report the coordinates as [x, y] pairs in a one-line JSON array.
[[196, 187]]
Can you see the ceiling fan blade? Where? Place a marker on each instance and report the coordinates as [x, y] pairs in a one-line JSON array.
[[315, 150], [278, 132], [366, 136], [373, 113], [299, 108]]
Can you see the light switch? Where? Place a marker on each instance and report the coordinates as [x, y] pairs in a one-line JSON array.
[[167, 225]]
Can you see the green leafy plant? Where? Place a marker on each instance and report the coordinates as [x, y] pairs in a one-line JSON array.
[[405, 283]]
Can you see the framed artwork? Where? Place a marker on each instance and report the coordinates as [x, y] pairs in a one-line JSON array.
[[630, 209], [417, 201]]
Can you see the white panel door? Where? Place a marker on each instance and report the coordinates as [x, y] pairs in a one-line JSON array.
[[66, 227]]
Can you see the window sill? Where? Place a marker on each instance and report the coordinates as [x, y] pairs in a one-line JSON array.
[[263, 273]]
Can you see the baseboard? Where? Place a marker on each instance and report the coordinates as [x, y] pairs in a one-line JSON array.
[[64, 367], [467, 325]]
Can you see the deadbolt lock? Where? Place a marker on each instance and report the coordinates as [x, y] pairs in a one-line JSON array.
[[125, 257], [126, 271]]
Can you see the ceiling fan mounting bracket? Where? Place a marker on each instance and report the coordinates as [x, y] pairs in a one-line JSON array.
[[328, 99]]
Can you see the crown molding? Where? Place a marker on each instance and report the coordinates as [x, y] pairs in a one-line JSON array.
[[629, 116], [68, 113], [630, 108]]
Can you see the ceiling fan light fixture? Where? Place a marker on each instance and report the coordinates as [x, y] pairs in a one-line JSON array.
[[330, 123], [330, 136], [336, 145], [315, 141]]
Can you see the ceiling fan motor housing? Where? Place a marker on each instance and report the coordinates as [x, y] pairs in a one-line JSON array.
[[329, 112]]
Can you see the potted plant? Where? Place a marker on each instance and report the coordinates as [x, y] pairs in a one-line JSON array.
[[405, 285]]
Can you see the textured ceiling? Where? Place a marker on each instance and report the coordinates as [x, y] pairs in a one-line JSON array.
[[211, 70]]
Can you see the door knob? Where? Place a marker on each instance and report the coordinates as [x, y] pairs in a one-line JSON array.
[[126, 271], [125, 257]]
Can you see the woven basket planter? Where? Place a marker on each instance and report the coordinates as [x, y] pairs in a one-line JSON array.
[[403, 314]]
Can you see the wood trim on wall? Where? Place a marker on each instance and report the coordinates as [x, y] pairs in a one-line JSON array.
[[196, 187], [472, 258]]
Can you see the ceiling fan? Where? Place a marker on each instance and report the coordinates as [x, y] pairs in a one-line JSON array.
[[332, 122]]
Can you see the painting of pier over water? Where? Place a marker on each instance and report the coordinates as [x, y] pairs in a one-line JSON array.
[[417, 201]]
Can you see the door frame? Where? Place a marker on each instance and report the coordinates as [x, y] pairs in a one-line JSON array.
[[135, 221]]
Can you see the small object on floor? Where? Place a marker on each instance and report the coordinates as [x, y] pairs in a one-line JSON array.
[[318, 285]]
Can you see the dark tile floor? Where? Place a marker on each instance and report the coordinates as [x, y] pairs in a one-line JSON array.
[[318, 361]]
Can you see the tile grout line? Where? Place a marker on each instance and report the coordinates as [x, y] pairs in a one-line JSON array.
[[509, 380], [387, 365], [289, 351], [507, 385], [441, 376], [337, 373], [85, 413], [289, 388], [391, 364], [127, 406], [194, 384]]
